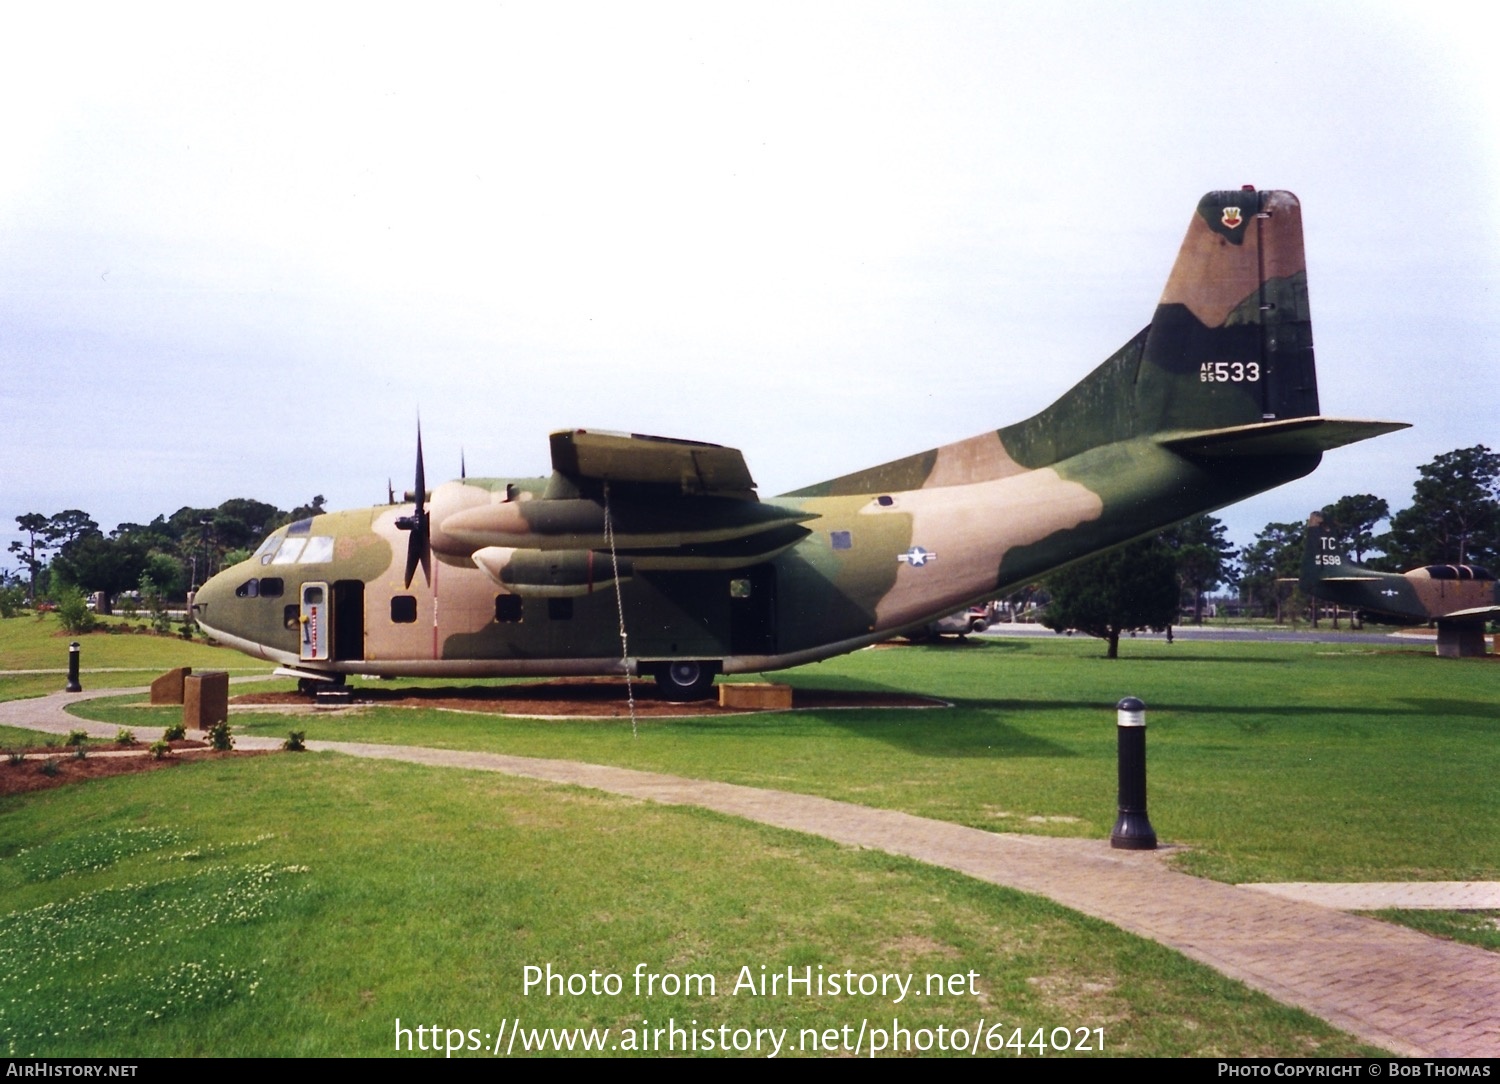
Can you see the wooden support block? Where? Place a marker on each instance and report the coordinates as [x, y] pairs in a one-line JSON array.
[[205, 699], [755, 696], [167, 689]]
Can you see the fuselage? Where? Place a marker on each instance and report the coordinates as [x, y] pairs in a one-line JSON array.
[[328, 593]]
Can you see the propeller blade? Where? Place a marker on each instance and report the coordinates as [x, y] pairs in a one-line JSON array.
[[421, 474], [418, 547]]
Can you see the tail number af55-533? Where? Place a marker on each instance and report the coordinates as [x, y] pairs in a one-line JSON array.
[[1228, 372]]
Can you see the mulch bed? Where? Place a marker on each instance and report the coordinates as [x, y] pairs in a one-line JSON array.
[[582, 698], [28, 775]]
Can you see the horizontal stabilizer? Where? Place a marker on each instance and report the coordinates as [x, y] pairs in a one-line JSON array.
[[1477, 612], [1292, 436], [631, 458]]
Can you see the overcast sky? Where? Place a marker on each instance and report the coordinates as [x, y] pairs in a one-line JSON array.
[[240, 248]]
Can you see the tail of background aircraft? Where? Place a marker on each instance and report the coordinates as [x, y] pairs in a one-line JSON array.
[[1225, 368], [1324, 559]]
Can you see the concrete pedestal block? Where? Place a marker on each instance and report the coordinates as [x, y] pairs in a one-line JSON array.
[[167, 689], [1460, 639], [205, 699], [756, 696]]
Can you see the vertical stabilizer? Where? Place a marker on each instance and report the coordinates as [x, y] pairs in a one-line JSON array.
[[1323, 557], [1231, 341]]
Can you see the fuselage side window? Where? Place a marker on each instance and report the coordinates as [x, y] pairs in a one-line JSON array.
[[403, 609], [507, 608], [272, 587]]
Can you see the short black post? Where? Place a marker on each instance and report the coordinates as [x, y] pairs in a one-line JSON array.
[[1132, 831], [73, 686]]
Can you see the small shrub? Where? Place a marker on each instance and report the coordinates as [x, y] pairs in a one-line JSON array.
[[15, 756], [220, 738], [50, 766], [77, 737], [124, 736], [295, 741], [80, 751], [160, 750], [12, 600], [73, 611], [175, 732], [185, 630]]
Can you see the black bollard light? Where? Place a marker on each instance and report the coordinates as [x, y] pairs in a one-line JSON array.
[[1132, 830], [73, 686]]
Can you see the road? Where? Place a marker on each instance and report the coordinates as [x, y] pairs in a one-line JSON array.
[[1324, 635]]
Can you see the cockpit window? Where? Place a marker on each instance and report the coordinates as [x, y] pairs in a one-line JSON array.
[[268, 548], [1457, 572], [302, 526], [311, 550], [319, 548], [272, 587], [290, 550], [248, 589]]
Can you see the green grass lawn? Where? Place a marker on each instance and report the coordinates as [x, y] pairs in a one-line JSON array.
[[377, 891], [300, 904], [126, 658], [1271, 761]]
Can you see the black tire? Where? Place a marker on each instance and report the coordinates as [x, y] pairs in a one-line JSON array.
[[686, 680], [312, 686]]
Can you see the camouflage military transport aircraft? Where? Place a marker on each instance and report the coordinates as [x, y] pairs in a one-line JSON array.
[[641, 554], [1460, 598]]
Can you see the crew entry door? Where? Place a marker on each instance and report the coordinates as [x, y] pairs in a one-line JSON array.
[[314, 622]]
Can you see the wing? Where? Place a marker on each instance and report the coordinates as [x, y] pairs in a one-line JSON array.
[[687, 466]]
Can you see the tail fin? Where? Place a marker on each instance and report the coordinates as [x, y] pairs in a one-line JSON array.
[[1323, 558], [1231, 341], [1225, 366], [1326, 564]]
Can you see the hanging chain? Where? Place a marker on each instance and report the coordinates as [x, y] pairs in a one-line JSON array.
[[614, 560]]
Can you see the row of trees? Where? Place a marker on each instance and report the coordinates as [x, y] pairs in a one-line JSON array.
[[1454, 518], [167, 556]]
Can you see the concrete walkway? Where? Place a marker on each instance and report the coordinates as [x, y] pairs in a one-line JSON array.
[[1388, 985]]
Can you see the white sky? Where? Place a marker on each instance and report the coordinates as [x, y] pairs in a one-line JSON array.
[[240, 247]]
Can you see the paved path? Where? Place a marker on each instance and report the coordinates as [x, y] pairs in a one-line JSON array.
[[1391, 986]]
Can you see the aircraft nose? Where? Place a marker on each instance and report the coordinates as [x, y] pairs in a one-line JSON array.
[[208, 601]]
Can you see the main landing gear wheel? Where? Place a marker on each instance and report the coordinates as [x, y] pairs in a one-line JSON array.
[[312, 686], [687, 680]]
